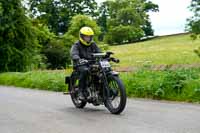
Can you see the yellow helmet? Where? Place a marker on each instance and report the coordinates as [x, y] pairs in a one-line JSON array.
[[86, 32]]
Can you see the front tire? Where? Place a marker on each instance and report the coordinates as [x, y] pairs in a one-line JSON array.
[[116, 90]]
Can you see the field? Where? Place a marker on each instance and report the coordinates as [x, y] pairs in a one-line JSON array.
[[159, 51]]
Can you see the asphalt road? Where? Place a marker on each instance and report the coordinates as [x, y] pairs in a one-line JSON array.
[[34, 111]]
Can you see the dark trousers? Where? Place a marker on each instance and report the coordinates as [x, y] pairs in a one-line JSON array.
[[83, 70]]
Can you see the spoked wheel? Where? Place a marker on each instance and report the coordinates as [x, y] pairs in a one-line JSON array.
[[74, 92], [116, 101]]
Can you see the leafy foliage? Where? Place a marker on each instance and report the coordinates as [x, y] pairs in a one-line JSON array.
[[54, 49], [194, 21], [57, 14], [181, 84], [57, 54], [123, 34], [18, 42], [44, 36], [126, 14]]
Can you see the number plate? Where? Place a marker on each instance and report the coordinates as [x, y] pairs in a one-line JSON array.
[[105, 64]]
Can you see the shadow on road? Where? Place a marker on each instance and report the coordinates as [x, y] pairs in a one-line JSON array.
[[87, 110]]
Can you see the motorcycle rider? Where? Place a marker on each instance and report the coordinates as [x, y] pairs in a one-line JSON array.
[[80, 53]]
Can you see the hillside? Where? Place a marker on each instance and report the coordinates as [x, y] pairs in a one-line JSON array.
[[167, 50]]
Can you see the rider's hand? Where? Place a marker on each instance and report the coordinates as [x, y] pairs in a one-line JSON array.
[[83, 61]]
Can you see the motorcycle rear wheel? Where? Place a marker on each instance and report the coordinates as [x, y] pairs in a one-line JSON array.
[[74, 91]]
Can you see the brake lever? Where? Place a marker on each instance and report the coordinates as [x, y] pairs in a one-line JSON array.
[[115, 60], [108, 54]]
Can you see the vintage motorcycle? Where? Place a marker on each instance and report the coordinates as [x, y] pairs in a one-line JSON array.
[[104, 86]]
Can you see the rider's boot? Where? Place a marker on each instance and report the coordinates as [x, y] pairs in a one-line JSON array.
[[82, 96]]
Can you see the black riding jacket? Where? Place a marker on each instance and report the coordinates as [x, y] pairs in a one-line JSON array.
[[80, 51]]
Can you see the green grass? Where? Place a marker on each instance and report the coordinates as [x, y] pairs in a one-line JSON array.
[[176, 85], [44, 80], [162, 50]]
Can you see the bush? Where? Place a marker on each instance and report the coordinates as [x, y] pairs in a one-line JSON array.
[[181, 85], [54, 49], [197, 51], [57, 54], [44, 37]]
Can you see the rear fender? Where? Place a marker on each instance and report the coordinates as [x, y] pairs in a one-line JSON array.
[[67, 80]]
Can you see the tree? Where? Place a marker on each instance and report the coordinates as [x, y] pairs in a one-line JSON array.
[[127, 14], [54, 49], [194, 22], [102, 19], [123, 34], [57, 14], [147, 27], [18, 42]]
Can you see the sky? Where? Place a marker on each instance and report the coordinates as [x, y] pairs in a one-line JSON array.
[[171, 18]]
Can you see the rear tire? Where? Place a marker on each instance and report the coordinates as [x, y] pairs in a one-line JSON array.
[[116, 90], [74, 91]]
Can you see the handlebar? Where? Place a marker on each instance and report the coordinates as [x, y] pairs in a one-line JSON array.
[[93, 61], [96, 56], [115, 60]]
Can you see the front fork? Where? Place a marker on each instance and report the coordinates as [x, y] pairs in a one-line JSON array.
[[106, 92]]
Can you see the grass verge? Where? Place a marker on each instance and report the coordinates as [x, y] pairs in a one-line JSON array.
[[176, 85]]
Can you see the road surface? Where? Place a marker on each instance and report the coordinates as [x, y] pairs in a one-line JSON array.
[[34, 111]]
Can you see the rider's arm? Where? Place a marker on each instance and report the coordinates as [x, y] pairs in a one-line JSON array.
[[74, 53]]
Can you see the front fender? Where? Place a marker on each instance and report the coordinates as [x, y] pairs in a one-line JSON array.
[[113, 73]]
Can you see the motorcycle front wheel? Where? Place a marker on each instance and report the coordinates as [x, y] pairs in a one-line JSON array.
[[116, 101]]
